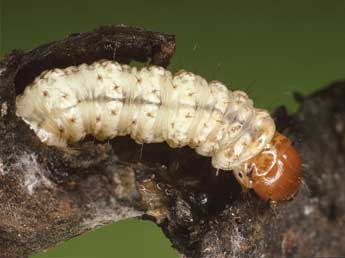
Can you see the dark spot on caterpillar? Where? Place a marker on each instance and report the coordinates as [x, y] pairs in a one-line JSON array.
[[189, 115]]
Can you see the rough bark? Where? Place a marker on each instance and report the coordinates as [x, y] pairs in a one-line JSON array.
[[48, 195]]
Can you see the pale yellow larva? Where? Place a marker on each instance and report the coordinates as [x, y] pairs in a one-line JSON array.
[[107, 99]]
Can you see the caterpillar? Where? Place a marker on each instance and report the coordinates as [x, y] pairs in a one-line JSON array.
[[107, 99]]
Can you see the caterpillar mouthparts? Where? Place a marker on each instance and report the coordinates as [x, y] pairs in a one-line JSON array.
[[107, 99]]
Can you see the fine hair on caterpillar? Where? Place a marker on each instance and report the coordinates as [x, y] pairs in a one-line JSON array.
[[151, 105]]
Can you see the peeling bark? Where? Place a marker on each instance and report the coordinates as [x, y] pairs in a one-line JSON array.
[[48, 195]]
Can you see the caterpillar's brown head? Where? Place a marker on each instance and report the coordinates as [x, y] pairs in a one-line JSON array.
[[275, 173]]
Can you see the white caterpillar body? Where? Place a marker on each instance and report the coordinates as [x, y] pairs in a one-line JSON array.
[[107, 99]]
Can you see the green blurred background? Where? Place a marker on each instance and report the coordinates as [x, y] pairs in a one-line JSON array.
[[268, 48]]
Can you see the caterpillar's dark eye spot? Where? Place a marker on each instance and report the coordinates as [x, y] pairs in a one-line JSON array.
[[240, 174], [250, 170]]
